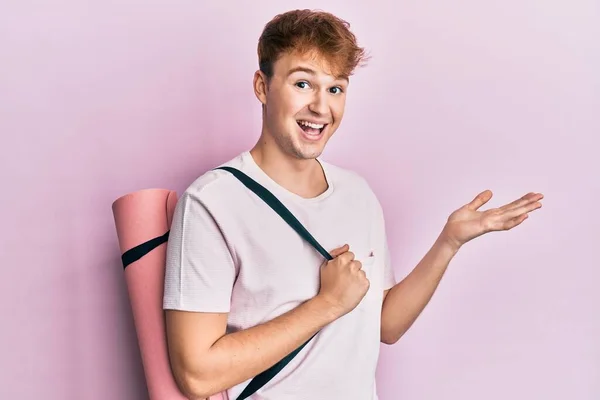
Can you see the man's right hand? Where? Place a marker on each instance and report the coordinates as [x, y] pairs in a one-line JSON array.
[[343, 282], [206, 360]]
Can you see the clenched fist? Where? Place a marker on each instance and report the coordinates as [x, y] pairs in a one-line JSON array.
[[343, 282]]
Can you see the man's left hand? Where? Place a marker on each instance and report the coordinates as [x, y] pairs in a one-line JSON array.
[[467, 222]]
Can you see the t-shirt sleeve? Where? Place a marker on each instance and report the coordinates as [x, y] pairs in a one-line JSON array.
[[379, 226], [199, 271], [389, 278]]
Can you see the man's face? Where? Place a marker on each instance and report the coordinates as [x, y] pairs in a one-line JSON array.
[[304, 104]]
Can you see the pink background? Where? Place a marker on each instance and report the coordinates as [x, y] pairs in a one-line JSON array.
[[99, 98]]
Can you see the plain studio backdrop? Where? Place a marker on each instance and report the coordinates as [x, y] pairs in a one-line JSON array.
[[102, 98]]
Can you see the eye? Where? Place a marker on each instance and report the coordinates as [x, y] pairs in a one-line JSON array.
[[339, 90], [302, 84]]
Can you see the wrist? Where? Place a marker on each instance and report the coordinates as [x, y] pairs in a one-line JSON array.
[[448, 243], [326, 308]]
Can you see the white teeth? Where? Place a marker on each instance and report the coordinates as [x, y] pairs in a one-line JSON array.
[[311, 125]]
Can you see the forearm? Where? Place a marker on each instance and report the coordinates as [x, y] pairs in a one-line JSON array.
[[239, 356], [406, 300]]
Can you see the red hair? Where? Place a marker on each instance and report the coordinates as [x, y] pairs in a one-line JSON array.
[[307, 31]]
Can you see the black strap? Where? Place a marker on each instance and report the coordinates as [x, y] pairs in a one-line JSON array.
[[279, 208], [141, 250], [261, 379]]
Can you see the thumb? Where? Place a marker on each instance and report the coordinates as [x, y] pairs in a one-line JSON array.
[[340, 250], [480, 200]]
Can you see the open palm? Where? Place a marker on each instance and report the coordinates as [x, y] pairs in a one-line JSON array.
[[468, 222]]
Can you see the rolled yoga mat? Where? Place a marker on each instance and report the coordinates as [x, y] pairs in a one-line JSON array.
[[143, 219]]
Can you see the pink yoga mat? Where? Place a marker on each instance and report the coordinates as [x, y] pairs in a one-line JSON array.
[[139, 217]]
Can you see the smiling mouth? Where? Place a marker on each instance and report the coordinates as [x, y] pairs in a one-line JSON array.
[[311, 128]]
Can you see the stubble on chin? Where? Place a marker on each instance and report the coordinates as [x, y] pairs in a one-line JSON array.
[[296, 149]]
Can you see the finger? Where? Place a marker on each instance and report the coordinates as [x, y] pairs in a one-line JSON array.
[[511, 223], [364, 278], [355, 266], [338, 251], [480, 200], [516, 212], [528, 198], [347, 256], [520, 201]]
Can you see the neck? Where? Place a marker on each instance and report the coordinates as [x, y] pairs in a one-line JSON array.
[[304, 177]]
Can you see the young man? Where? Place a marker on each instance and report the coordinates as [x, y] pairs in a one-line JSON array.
[[243, 289]]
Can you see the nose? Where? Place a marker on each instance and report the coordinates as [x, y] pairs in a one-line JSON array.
[[319, 104]]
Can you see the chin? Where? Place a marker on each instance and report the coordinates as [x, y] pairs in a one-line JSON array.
[[307, 152], [296, 144], [305, 155], [311, 146]]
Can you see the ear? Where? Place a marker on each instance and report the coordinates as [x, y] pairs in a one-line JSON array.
[[260, 86]]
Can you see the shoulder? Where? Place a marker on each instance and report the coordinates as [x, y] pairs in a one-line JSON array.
[[214, 183]]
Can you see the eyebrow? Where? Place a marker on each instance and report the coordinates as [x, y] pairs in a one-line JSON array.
[[312, 72]]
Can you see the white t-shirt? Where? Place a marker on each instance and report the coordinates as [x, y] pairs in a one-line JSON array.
[[228, 251]]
